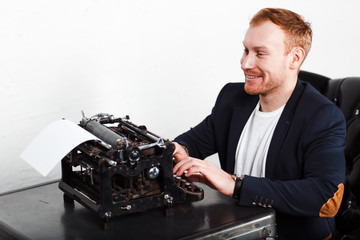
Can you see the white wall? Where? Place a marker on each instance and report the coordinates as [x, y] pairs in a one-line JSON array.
[[162, 62]]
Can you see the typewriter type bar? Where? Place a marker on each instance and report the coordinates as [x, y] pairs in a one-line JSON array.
[[128, 171]]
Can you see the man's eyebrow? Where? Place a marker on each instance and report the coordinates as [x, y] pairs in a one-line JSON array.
[[256, 48], [260, 48]]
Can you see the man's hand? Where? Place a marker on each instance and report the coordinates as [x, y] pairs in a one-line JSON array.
[[180, 153], [206, 172]]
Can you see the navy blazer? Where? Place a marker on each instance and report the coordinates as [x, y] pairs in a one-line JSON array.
[[305, 165]]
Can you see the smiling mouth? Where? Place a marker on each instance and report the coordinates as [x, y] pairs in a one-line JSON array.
[[251, 77]]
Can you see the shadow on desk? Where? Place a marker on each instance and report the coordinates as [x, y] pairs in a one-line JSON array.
[[151, 223]]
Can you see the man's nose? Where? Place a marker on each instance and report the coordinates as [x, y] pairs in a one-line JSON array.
[[247, 62]]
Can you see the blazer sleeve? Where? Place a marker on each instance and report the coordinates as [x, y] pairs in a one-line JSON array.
[[318, 193]]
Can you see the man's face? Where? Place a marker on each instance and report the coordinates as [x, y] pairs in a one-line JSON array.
[[264, 62]]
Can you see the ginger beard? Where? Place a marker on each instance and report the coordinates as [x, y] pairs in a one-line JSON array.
[[259, 83]]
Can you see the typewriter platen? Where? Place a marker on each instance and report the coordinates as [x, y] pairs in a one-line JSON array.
[[129, 170]]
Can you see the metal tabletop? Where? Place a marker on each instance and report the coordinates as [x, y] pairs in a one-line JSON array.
[[40, 213]]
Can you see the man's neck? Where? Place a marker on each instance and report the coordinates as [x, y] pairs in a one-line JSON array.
[[274, 100]]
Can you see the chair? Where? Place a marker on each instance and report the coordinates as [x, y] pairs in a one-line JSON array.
[[345, 93]]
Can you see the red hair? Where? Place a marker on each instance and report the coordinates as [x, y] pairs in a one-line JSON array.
[[297, 31]]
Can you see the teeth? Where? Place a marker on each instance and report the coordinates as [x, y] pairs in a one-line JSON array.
[[252, 77]]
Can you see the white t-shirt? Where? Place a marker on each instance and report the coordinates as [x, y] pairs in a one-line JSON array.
[[254, 142]]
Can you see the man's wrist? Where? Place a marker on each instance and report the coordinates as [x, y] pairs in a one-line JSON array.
[[185, 148], [238, 186]]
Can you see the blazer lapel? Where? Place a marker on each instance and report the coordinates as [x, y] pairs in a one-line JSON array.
[[238, 121], [282, 129]]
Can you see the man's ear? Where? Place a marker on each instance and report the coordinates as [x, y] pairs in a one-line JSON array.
[[297, 57]]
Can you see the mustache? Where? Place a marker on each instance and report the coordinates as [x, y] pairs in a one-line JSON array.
[[253, 73]]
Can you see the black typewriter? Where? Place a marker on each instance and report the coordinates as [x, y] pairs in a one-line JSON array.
[[128, 170]]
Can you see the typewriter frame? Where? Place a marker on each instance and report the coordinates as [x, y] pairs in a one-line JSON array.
[[133, 175]]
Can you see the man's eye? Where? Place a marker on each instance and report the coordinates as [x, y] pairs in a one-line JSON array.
[[246, 51]]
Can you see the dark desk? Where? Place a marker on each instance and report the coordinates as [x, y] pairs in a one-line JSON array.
[[40, 213]]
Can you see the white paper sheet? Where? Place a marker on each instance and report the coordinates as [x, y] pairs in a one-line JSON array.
[[53, 143]]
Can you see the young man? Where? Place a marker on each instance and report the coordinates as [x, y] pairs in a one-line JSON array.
[[280, 142]]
